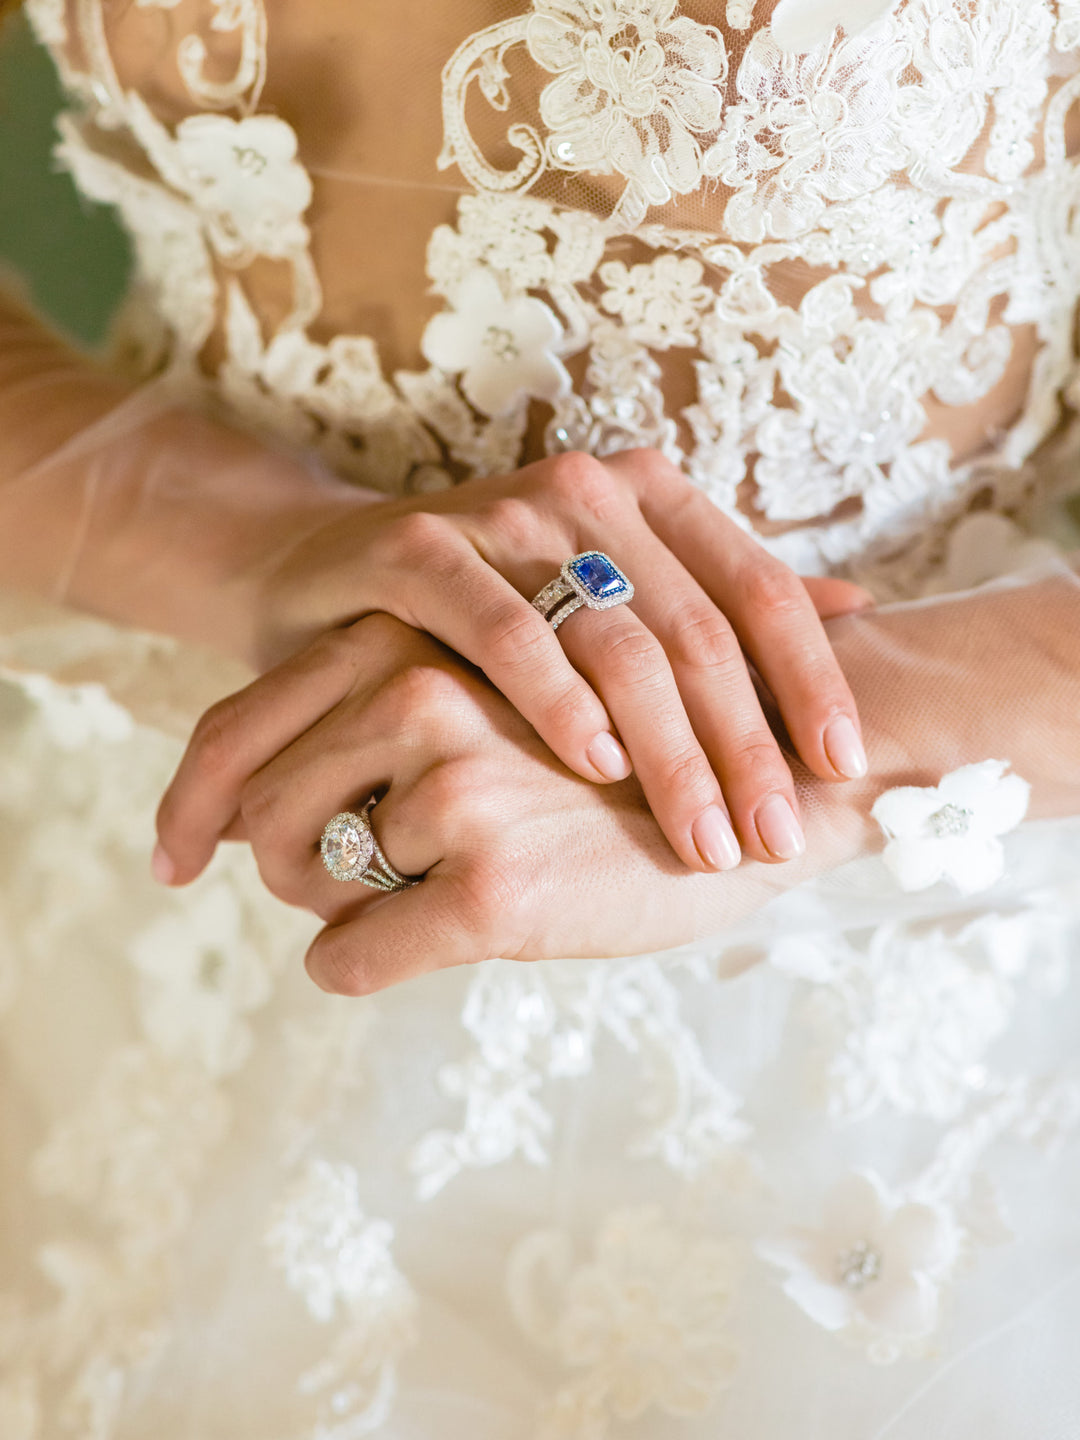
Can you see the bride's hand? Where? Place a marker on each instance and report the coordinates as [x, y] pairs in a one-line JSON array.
[[520, 858], [668, 676]]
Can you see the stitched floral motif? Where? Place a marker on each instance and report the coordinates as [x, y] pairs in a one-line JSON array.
[[645, 1320]]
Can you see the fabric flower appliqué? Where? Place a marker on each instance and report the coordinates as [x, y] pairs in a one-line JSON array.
[[503, 349], [636, 82], [876, 1268], [950, 831], [244, 176]]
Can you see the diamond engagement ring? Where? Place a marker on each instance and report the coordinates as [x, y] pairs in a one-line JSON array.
[[351, 852], [591, 579]]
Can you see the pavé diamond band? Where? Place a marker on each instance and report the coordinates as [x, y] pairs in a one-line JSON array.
[[351, 852], [591, 579]]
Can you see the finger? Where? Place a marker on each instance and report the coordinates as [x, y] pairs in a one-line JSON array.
[[438, 923], [335, 767], [774, 618], [233, 740], [627, 665], [472, 608], [831, 597], [721, 701]]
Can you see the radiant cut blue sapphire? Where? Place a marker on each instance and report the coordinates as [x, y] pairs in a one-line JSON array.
[[598, 577]]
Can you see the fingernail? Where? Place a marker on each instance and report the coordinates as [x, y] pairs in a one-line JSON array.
[[845, 749], [780, 831], [161, 867], [715, 839], [606, 755]]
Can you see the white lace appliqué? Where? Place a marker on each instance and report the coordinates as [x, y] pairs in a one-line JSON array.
[[645, 1320]]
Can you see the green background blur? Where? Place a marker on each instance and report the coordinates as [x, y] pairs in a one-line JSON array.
[[72, 254]]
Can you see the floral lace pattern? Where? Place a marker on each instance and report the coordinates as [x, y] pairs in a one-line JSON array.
[[911, 169]]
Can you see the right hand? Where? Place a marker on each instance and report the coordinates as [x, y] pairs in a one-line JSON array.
[[667, 676]]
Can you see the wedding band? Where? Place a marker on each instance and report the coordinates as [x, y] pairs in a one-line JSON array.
[[591, 578], [351, 852]]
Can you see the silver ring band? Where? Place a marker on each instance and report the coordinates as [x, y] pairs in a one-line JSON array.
[[592, 579], [350, 851]]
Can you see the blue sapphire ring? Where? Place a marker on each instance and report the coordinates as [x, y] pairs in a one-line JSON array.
[[591, 579]]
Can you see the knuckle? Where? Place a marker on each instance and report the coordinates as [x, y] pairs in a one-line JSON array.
[[630, 655], [704, 641], [416, 694], [514, 521], [447, 791], [215, 741], [771, 589], [583, 485], [686, 773], [413, 539], [260, 803], [487, 900], [516, 633], [758, 765]]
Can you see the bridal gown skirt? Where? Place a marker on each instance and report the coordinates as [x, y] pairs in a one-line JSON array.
[[819, 1180]]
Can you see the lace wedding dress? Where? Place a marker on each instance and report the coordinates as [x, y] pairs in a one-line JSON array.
[[834, 275]]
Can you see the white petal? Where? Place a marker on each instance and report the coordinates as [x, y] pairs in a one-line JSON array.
[[1006, 805], [450, 342], [854, 1211], [919, 1237], [906, 1306], [971, 783], [905, 810], [830, 1305], [973, 863], [915, 864]]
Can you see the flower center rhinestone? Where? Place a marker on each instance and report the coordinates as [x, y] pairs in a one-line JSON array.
[[951, 820], [858, 1267], [501, 343]]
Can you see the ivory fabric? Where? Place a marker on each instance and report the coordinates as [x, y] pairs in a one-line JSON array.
[[833, 1195]]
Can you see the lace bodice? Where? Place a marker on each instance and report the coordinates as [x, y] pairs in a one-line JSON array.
[[830, 272]]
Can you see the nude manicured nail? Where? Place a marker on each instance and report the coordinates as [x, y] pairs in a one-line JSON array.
[[606, 755], [845, 749], [715, 839], [780, 831], [162, 868]]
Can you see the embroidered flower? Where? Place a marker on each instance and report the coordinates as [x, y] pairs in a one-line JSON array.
[[502, 232], [245, 178], [645, 1319], [635, 84], [503, 349], [331, 1252], [199, 975], [876, 1268], [950, 831], [811, 128], [802, 24], [660, 303]]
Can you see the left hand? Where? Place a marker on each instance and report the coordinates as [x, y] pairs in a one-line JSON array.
[[520, 858]]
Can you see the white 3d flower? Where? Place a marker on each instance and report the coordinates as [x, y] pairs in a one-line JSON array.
[[950, 831], [501, 348], [876, 1267], [245, 178], [801, 24]]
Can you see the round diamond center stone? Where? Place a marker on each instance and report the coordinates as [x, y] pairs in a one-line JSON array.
[[346, 847]]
